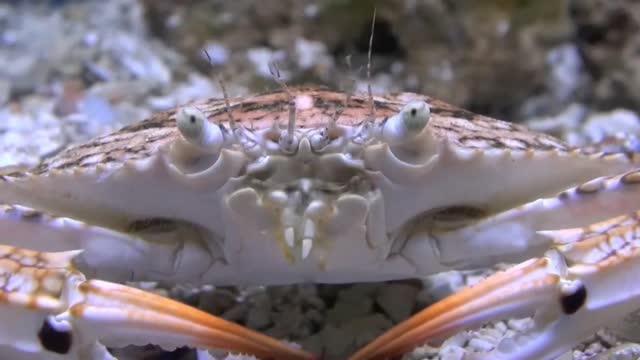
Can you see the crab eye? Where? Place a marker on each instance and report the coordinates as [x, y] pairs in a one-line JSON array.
[[409, 122], [197, 130], [415, 116]]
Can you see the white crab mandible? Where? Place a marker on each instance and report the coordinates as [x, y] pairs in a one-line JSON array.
[[312, 185]]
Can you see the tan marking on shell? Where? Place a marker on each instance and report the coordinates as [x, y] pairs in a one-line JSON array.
[[32, 279], [590, 187], [631, 177], [603, 226], [618, 257], [8, 266], [316, 108], [606, 243]]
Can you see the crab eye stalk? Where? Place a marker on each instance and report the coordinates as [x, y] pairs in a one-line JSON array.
[[198, 131], [288, 142], [408, 123]]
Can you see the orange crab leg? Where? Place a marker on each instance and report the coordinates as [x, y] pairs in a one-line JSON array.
[[58, 303], [587, 280], [132, 311], [461, 310]]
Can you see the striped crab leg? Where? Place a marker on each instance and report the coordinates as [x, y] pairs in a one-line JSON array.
[[47, 307], [589, 279]]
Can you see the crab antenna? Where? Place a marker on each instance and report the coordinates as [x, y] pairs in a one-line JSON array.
[[275, 72], [232, 122], [353, 79], [206, 53], [340, 110], [371, 102]]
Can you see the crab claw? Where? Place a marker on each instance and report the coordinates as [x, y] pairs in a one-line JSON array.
[[588, 280], [47, 307]]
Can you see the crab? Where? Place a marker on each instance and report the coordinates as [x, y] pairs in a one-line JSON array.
[[313, 185]]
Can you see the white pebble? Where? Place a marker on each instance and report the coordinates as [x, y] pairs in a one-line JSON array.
[[452, 353], [501, 326], [459, 339], [440, 285], [520, 325], [481, 345]]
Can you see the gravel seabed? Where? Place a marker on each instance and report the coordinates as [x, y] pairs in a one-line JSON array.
[[125, 76]]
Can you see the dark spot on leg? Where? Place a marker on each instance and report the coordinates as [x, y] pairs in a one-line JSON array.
[[54, 340], [574, 301]]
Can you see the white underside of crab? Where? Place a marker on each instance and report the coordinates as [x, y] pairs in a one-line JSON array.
[[403, 189]]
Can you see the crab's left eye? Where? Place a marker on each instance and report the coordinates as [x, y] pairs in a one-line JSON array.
[[197, 130], [415, 116], [409, 122]]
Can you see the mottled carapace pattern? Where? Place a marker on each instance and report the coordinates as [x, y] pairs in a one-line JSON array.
[[602, 244], [33, 279], [316, 107]]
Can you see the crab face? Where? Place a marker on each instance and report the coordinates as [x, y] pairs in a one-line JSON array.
[[308, 185]]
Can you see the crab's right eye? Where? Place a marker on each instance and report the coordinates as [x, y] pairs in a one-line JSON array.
[[197, 130]]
